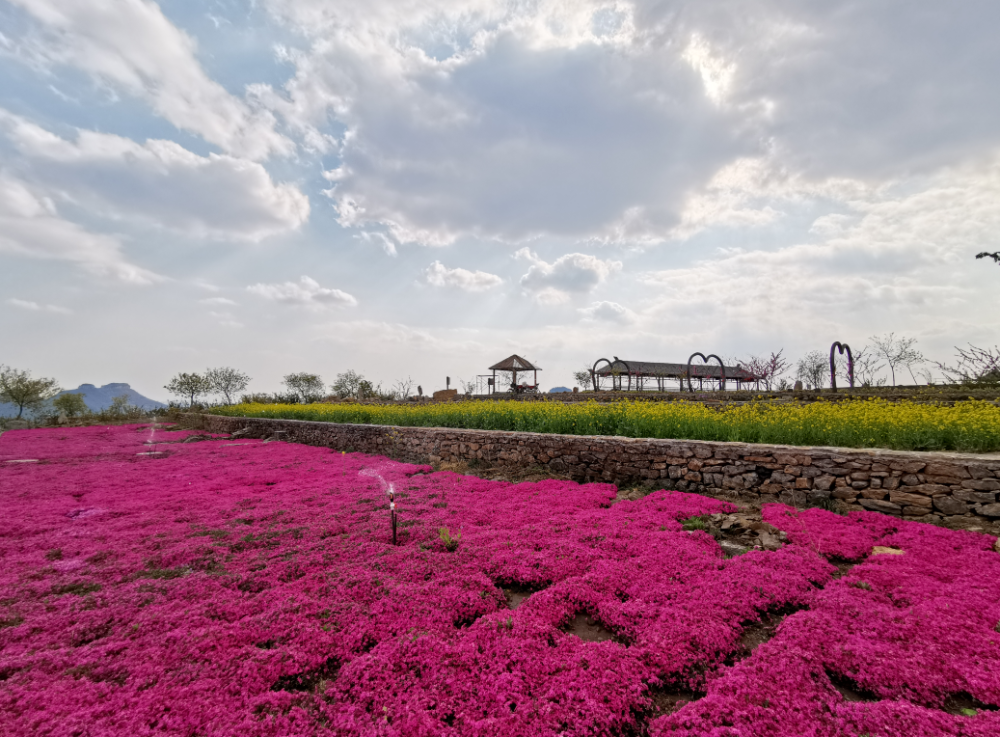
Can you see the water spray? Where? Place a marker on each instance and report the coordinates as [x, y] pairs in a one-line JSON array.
[[390, 491]]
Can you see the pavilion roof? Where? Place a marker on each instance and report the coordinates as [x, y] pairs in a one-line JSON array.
[[514, 363]]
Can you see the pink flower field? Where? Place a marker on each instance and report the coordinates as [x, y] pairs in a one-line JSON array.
[[240, 587]]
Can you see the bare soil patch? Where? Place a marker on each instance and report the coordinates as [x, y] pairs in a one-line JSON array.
[[588, 629]]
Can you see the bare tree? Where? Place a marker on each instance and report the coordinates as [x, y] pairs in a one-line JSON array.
[[17, 387], [191, 386], [812, 369], [306, 387], [402, 388], [505, 382], [583, 379], [897, 352], [975, 366], [226, 381], [867, 367], [768, 369], [914, 359]]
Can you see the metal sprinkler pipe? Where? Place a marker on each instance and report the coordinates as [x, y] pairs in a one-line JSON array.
[[392, 512]]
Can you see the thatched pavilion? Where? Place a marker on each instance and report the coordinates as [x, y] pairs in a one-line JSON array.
[[638, 373], [514, 365]]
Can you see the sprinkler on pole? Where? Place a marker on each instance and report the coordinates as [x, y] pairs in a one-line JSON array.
[[390, 490], [392, 512]]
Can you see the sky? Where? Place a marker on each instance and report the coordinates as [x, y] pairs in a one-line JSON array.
[[415, 189]]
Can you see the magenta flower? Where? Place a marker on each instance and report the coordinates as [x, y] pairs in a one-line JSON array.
[[250, 588]]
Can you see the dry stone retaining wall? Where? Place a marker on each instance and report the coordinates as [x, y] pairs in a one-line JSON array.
[[961, 489]]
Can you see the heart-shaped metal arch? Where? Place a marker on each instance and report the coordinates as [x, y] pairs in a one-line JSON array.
[[593, 372], [841, 347], [704, 358], [611, 365]]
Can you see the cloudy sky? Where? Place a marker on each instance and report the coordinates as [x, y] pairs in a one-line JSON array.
[[419, 188]]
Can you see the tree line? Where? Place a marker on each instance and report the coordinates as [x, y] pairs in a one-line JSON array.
[[303, 387]]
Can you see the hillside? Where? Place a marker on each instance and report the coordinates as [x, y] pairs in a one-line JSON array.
[[97, 398]]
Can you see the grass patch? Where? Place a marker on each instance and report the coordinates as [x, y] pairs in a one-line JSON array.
[[163, 574], [80, 588]]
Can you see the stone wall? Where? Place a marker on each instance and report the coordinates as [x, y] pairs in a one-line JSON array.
[[958, 489]]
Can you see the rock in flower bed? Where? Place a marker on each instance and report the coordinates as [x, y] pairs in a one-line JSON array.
[[251, 588]]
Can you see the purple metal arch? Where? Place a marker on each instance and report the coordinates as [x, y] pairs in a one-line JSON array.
[[611, 366], [593, 373], [841, 347], [704, 358], [628, 372]]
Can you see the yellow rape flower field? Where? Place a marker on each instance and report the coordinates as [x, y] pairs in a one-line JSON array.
[[969, 426]]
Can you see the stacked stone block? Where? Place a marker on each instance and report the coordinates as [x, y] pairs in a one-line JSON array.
[[961, 489]]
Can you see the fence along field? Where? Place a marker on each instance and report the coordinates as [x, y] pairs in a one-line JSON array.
[[971, 426]]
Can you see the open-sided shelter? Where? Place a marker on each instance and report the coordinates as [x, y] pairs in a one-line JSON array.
[[635, 374], [515, 365]]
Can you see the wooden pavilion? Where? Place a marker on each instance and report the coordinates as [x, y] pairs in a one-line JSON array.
[[514, 364], [637, 373]]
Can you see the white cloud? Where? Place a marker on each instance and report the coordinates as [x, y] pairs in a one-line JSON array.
[[31, 226], [606, 121], [716, 73], [307, 292], [552, 283], [608, 312], [131, 45], [226, 319], [389, 338], [502, 120], [755, 192], [160, 182], [379, 239], [217, 301], [858, 89], [438, 275], [30, 306], [873, 265]]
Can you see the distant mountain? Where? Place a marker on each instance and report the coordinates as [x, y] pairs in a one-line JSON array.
[[100, 398], [559, 389], [95, 398]]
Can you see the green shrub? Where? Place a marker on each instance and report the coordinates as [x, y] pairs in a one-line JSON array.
[[450, 543]]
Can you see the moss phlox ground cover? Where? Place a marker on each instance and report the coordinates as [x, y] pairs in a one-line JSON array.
[[241, 587], [972, 426]]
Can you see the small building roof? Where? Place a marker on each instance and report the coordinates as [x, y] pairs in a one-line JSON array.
[[514, 363], [677, 370]]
